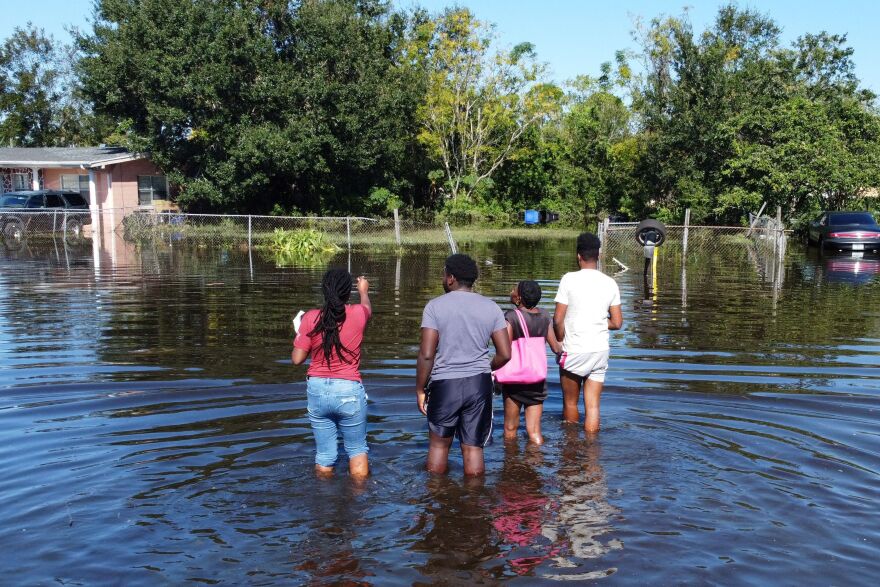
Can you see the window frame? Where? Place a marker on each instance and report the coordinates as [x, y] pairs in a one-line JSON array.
[[28, 182], [82, 185], [152, 190]]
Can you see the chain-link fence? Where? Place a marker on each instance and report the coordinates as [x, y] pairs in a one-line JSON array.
[[762, 245], [18, 224], [293, 234]]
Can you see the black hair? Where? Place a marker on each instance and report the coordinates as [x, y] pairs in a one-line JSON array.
[[462, 268], [529, 293], [588, 245], [336, 287]]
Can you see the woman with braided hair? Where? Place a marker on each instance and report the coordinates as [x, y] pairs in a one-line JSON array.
[[332, 336]]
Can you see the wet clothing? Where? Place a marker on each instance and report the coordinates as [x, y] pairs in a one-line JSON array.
[[337, 402], [538, 324], [351, 334], [337, 405], [465, 322], [462, 407]]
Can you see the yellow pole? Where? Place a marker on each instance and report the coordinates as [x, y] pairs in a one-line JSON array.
[[654, 269]]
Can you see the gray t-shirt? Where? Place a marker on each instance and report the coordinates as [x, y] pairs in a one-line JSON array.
[[465, 321]]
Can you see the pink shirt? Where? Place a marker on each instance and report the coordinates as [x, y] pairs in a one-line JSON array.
[[351, 334]]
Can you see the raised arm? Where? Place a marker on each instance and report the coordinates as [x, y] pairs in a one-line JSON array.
[[363, 287], [424, 364]]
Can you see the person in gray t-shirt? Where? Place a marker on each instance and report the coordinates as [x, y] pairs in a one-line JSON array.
[[456, 328]]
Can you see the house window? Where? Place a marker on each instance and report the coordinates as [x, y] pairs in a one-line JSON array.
[[76, 183], [151, 187], [21, 181]]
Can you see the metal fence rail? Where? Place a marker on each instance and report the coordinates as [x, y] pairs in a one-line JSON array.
[[253, 231]]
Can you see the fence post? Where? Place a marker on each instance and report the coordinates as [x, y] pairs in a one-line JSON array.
[[348, 232], [451, 240], [755, 220], [249, 232], [397, 227], [687, 224]]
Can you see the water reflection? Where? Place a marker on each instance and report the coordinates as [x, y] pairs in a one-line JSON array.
[[583, 516], [524, 507], [148, 401], [455, 530]]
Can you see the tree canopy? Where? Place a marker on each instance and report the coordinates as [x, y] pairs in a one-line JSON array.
[[350, 106]]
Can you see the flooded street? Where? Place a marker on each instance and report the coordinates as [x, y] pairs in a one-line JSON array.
[[153, 430]]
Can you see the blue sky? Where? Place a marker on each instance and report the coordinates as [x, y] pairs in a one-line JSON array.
[[574, 37]]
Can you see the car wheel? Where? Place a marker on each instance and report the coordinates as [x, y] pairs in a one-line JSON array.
[[74, 229], [13, 230]]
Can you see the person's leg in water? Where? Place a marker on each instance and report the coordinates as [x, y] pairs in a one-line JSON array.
[[438, 453], [533, 423], [323, 428], [592, 394], [571, 391], [511, 418], [351, 412], [474, 465]]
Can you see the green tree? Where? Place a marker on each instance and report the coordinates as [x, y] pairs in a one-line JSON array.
[[479, 103], [253, 105], [40, 102], [731, 118]]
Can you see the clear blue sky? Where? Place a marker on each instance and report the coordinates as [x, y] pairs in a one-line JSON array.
[[573, 36]]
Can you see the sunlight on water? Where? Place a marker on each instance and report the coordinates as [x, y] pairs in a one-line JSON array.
[[154, 431]]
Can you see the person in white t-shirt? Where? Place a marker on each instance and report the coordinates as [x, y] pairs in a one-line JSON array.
[[587, 307]]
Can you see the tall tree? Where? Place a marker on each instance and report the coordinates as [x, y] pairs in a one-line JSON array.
[[252, 105], [733, 118], [479, 102], [40, 102]]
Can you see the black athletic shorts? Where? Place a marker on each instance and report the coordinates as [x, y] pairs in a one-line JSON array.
[[462, 407]]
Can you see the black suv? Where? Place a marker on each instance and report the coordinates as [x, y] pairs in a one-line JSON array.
[[42, 211]]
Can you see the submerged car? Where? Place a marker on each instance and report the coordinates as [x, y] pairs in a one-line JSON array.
[[42, 211], [845, 231]]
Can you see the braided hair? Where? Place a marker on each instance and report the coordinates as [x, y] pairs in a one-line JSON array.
[[336, 287]]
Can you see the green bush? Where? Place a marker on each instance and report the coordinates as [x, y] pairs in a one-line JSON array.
[[305, 242]]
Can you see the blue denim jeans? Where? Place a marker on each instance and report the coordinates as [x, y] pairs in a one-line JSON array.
[[337, 405]]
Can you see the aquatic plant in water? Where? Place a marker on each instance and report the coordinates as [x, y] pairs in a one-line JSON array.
[[303, 246]]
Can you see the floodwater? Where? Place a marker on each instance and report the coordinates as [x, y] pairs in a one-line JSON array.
[[153, 430]]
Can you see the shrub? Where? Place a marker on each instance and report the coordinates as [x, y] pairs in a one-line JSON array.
[[303, 245]]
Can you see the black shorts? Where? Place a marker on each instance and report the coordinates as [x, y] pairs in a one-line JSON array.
[[527, 394], [462, 407]]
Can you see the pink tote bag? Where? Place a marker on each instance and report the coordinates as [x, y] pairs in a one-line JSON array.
[[528, 359]]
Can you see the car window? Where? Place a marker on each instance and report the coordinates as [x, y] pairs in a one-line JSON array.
[[852, 218], [13, 201], [75, 200], [35, 202], [823, 220], [54, 201]]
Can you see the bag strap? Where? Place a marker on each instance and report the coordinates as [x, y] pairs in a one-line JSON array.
[[522, 324]]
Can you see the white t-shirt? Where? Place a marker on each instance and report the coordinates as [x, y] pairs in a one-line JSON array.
[[589, 294]]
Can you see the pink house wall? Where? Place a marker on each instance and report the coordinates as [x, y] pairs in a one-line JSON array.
[[123, 179], [125, 187]]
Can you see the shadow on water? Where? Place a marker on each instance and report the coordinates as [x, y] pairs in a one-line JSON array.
[[154, 431]]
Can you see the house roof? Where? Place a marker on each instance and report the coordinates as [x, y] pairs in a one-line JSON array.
[[65, 156]]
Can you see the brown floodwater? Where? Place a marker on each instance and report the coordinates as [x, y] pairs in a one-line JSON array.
[[153, 430]]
